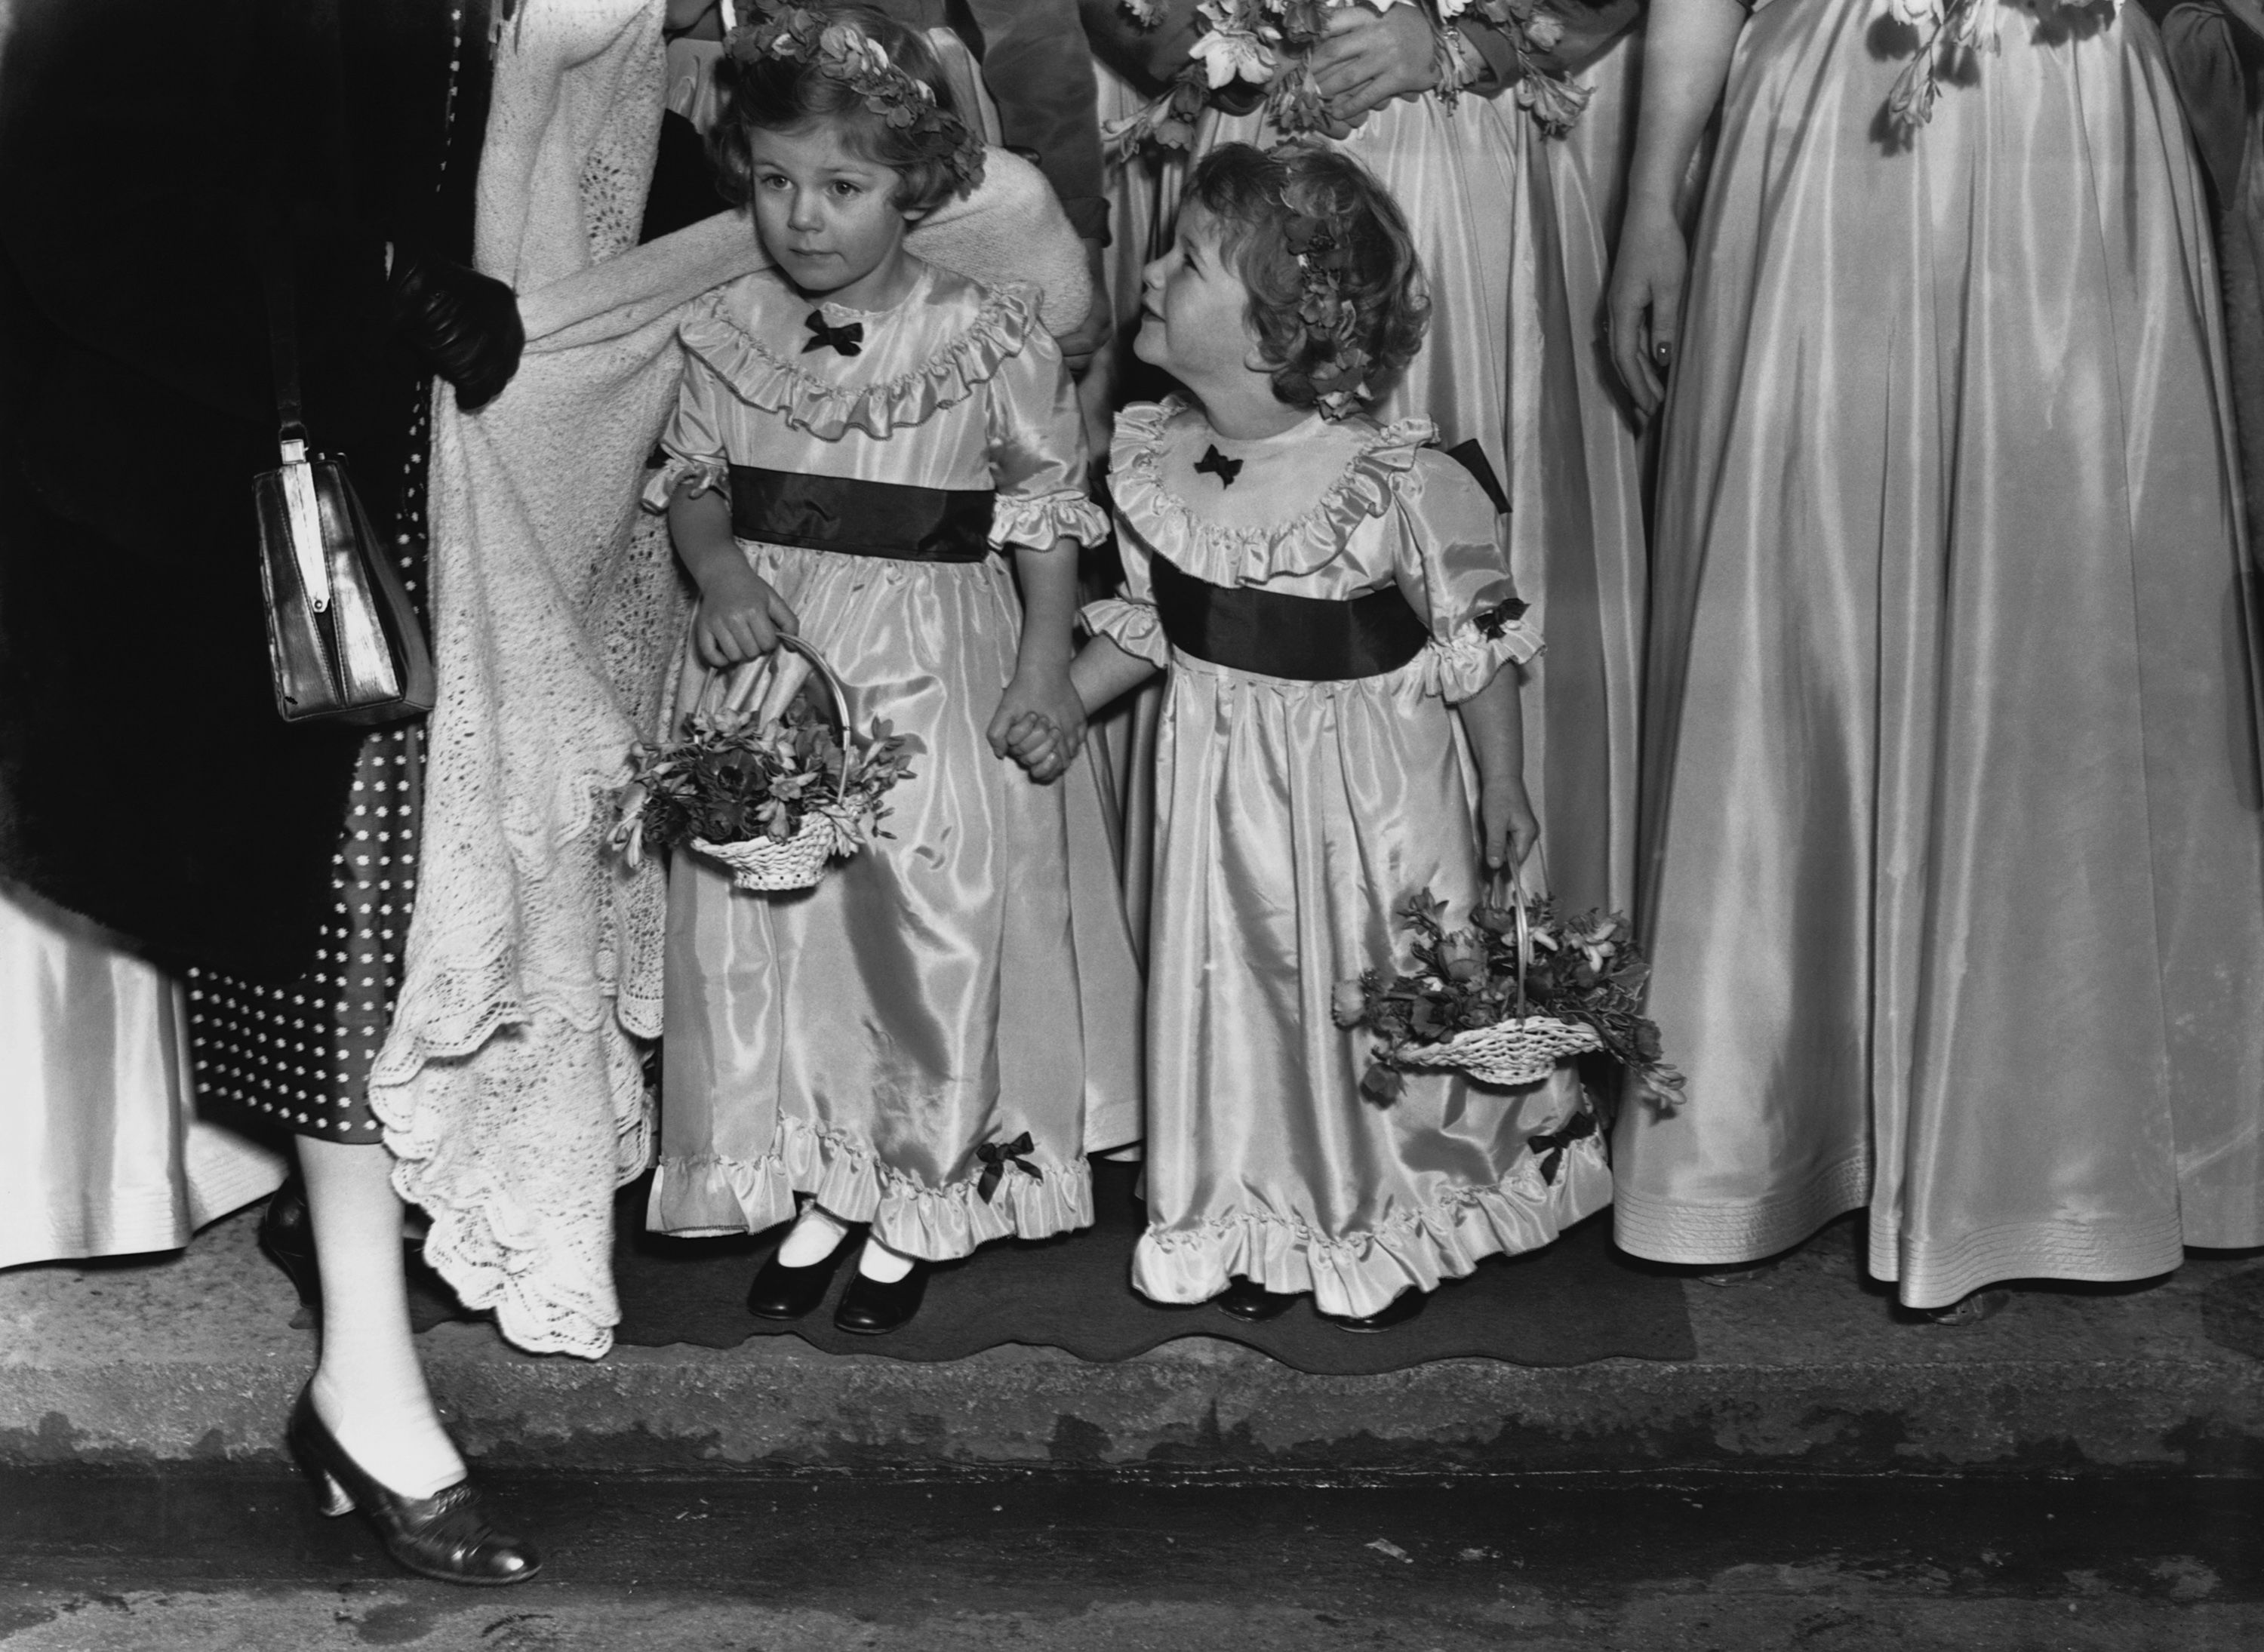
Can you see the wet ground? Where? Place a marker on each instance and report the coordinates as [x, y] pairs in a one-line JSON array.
[[199, 1558]]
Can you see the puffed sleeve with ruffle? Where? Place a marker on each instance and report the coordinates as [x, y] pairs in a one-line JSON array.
[[1037, 452], [693, 440], [1453, 563], [1129, 619]]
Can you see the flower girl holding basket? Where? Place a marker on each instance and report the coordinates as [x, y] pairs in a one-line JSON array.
[[1329, 598], [868, 453]]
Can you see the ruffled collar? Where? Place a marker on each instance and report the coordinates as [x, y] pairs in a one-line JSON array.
[[1225, 556], [974, 329]]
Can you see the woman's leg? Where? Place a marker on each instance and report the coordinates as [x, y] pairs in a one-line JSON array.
[[369, 1388]]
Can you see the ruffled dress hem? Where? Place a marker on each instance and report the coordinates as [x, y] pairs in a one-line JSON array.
[[1361, 1273], [707, 1196]]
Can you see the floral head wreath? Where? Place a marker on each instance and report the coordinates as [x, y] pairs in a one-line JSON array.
[[1324, 260], [845, 54]]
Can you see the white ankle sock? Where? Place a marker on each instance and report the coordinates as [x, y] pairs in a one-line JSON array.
[[814, 1237], [882, 1265]]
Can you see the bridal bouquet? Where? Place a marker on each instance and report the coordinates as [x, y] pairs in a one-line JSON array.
[[772, 794], [1504, 1000], [1259, 51]]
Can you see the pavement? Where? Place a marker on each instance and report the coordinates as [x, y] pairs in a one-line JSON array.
[[202, 1558], [191, 1359], [2085, 1471]]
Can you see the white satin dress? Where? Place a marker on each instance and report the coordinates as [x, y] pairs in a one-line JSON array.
[[105, 1153], [968, 978], [1954, 856], [1294, 820]]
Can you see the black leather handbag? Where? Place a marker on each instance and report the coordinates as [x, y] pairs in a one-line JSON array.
[[342, 641]]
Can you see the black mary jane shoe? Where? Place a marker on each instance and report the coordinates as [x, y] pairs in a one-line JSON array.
[[1398, 1311], [446, 1535], [870, 1307], [783, 1293], [1251, 1302]]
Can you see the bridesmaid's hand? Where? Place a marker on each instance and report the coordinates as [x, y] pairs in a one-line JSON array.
[[1645, 304], [1368, 58], [1507, 818]]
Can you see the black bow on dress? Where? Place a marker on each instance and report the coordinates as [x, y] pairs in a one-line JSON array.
[[996, 1156], [1220, 465], [848, 338], [1548, 1147], [1502, 616]]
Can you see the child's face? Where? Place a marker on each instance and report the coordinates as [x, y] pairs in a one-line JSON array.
[[825, 214], [1194, 308]]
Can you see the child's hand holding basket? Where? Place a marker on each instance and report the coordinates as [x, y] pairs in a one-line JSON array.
[[761, 781]]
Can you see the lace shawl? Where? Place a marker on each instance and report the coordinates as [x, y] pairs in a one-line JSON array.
[[510, 1085]]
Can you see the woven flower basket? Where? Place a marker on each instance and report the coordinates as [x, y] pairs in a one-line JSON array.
[[770, 865], [1523, 1049]]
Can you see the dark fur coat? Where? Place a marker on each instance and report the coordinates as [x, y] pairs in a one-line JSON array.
[[145, 777]]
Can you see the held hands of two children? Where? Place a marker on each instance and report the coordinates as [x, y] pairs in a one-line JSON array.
[[740, 617], [1040, 722]]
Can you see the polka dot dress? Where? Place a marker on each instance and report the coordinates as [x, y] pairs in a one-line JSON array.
[[298, 1056]]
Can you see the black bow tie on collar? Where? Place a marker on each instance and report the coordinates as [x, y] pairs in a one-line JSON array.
[[848, 338], [1219, 465]]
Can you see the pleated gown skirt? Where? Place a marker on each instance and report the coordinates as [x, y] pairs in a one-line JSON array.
[[1954, 865]]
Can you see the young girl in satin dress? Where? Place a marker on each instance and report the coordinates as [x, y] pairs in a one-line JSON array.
[[862, 442], [1330, 600]]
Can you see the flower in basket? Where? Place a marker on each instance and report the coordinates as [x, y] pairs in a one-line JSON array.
[[732, 779], [1581, 989]]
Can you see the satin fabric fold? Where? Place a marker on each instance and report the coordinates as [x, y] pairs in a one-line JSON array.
[[1954, 871], [106, 1155]]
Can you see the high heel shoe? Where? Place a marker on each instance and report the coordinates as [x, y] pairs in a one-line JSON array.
[[446, 1535], [870, 1307], [783, 1293]]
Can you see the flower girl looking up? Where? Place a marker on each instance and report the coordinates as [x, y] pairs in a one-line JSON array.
[[929, 1040], [1332, 601]]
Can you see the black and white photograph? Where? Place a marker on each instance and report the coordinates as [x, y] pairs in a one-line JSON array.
[[1131, 825]]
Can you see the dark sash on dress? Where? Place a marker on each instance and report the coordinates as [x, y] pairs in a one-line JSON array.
[[1306, 639], [861, 518]]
